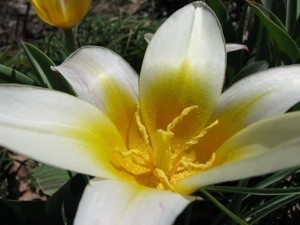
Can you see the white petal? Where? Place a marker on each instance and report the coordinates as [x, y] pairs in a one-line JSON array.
[[106, 80], [257, 97], [271, 93], [184, 66], [57, 129], [110, 202], [261, 148], [230, 47]]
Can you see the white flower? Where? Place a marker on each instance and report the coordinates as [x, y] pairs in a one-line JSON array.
[[154, 141]]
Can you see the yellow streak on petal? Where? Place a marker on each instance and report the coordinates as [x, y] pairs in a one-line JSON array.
[[120, 105], [178, 92], [233, 119], [96, 136]]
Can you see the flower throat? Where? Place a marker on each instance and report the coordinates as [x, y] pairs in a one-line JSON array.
[[158, 164]]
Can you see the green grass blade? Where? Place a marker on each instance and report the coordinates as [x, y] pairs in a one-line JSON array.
[[277, 177], [268, 207], [223, 208], [42, 65], [29, 51], [250, 69], [254, 191]]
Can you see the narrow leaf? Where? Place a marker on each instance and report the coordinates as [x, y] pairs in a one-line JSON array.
[[276, 30], [13, 76], [223, 208], [269, 207], [42, 65], [254, 191], [291, 15], [251, 68], [65, 201]]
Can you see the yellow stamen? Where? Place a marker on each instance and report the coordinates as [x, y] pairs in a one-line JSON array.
[[136, 156], [131, 152], [162, 177], [189, 144], [196, 139], [179, 118], [141, 127], [196, 166]]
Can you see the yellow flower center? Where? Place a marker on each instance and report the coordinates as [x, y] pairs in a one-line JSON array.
[[161, 163]]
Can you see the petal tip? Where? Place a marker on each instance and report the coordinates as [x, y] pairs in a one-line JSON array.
[[199, 4]]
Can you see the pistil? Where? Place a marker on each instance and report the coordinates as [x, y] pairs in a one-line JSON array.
[[163, 150]]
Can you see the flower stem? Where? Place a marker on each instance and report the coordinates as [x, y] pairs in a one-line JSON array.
[[223, 208], [69, 35]]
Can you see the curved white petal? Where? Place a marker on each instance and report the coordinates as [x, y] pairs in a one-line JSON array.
[[257, 97], [184, 66], [261, 148], [230, 47], [106, 80], [262, 95], [57, 129], [110, 202]]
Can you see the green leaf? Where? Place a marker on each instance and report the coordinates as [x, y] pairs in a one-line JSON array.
[[252, 68], [298, 10], [291, 15], [267, 11], [276, 30], [269, 206], [50, 179], [13, 76], [42, 65], [254, 191], [64, 203], [223, 208], [277, 177]]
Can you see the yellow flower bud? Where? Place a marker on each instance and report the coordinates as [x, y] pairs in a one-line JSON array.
[[61, 13]]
